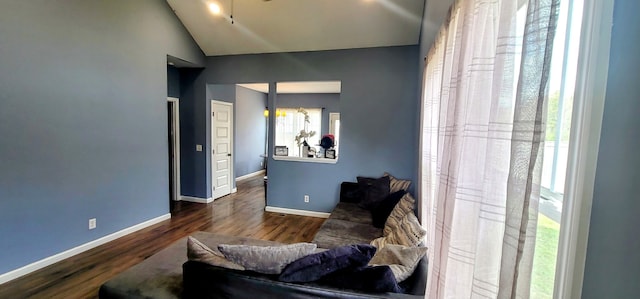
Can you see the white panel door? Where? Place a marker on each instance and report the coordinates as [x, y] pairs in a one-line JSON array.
[[222, 148]]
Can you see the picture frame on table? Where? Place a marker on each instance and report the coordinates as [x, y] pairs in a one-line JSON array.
[[280, 150], [330, 154]]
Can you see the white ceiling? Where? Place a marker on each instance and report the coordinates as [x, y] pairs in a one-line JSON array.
[[300, 25], [298, 87]]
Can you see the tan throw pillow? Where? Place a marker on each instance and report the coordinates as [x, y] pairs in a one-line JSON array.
[[402, 260], [396, 184], [402, 208], [198, 252], [379, 242], [408, 233], [266, 259]]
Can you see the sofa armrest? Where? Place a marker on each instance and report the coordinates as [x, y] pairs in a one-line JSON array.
[[416, 284], [203, 281], [350, 192]]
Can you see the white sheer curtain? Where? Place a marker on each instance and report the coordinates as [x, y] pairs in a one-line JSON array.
[[482, 132]]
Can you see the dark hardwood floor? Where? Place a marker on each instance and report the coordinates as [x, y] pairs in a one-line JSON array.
[[239, 214]]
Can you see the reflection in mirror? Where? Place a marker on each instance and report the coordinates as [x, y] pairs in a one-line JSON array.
[[307, 119]]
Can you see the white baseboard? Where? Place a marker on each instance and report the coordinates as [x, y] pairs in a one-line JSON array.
[[11, 275], [196, 199], [234, 190], [297, 212], [250, 175]]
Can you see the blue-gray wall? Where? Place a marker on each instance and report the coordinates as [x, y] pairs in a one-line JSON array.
[[613, 252], [378, 116], [251, 131], [329, 102], [83, 121], [192, 93], [173, 81]]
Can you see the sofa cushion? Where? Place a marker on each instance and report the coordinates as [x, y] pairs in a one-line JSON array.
[[314, 266], [404, 207], [380, 213], [336, 232], [378, 279], [266, 259], [196, 251], [402, 260], [396, 184], [351, 212], [408, 233], [373, 190]]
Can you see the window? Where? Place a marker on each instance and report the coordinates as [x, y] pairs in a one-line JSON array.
[[291, 126], [334, 129], [562, 81], [447, 133]]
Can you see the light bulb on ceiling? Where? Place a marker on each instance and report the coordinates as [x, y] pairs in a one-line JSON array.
[[214, 8]]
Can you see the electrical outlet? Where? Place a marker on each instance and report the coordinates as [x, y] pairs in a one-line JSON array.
[[306, 198], [92, 223]]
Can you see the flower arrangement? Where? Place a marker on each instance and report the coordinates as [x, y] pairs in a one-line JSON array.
[[301, 138]]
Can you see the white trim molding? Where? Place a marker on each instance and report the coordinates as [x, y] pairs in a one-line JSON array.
[[588, 108], [11, 275], [176, 146], [297, 212], [250, 175], [196, 199]]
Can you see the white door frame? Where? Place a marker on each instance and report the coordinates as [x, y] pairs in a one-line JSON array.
[[176, 145], [232, 189]]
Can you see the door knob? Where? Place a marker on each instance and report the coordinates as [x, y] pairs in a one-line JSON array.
[[228, 155]]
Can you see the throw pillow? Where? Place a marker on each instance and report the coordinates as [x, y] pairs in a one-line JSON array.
[[350, 192], [196, 251], [402, 260], [396, 184], [314, 266], [378, 279], [408, 233], [404, 207], [266, 259], [373, 191], [380, 213]]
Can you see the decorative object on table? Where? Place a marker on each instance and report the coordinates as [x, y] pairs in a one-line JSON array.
[[327, 141], [281, 150], [301, 138], [330, 154], [311, 153]]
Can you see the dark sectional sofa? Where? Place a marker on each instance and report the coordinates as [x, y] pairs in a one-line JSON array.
[[168, 274]]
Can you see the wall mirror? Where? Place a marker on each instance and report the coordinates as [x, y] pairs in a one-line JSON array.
[[307, 120]]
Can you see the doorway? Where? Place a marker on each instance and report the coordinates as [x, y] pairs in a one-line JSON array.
[[221, 148], [173, 139]]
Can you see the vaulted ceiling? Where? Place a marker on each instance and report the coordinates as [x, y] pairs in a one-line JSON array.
[[270, 26]]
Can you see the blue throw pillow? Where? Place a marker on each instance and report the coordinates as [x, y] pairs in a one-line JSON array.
[[381, 212], [314, 266], [372, 279], [373, 191]]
